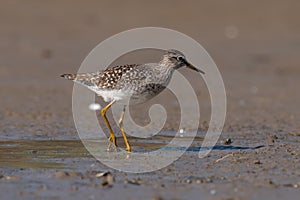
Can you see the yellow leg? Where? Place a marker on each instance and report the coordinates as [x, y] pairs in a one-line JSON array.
[[112, 137], [128, 148]]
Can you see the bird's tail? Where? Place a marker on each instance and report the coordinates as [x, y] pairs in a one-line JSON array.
[[69, 76]]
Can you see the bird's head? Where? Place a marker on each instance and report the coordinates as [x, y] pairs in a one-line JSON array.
[[176, 59]]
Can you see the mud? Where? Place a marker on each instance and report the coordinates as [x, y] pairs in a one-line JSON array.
[[254, 44]]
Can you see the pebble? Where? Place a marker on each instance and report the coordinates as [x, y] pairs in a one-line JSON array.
[[102, 174], [61, 174], [257, 162], [294, 185], [272, 138], [228, 141], [197, 180], [134, 181], [12, 178], [106, 184], [109, 179], [94, 106]]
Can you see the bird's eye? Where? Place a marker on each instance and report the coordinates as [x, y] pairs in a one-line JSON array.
[[180, 58]]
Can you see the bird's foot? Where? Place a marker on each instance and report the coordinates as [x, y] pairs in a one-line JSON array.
[[112, 139], [112, 142], [128, 147]]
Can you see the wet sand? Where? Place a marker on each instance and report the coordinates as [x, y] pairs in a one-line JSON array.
[[255, 46]]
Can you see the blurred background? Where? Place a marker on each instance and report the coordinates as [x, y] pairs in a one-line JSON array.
[[255, 44]]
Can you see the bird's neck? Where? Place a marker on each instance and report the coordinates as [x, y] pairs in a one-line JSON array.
[[165, 69], [166, 66], [164, 72]]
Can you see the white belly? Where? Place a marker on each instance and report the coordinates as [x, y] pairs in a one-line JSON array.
[[110, 95]]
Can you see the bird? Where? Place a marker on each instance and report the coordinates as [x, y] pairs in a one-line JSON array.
[[135, 82]]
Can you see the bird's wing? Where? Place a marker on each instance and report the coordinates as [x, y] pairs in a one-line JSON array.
[[105, 79], [109, 77]]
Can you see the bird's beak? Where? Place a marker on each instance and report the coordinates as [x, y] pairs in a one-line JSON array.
[[188, 65]]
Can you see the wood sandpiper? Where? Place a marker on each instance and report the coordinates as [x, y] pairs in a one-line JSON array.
[[137, 82]]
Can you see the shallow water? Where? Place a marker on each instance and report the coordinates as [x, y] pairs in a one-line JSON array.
[[40, 153], [53, 153]]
